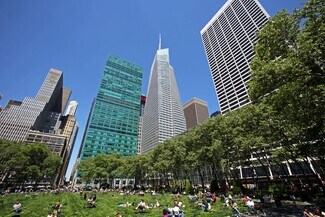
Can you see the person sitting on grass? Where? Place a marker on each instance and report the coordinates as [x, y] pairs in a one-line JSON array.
[[177, 211], [91, 203], [57, 206], [17, 207], [235, 208], [250, 204], [157, 204], [306, 213], [165, 212], [192, 199], [244, 199], [168, 211], [226, 202], [118, 215], [181, 204], [214, 198], [142, 206], [206, 206], [52, 214]]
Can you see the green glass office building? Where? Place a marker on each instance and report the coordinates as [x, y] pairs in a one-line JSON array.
[[113, 120]]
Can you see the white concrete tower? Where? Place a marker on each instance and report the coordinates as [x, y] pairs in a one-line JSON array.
[[163, 114], [228, 39]]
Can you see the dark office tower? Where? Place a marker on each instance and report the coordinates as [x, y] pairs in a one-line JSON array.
[[114, 118], [163, 114], [142, 105], [228, 39], [215, 114], [34, 113], [195, 111], [56, 103]]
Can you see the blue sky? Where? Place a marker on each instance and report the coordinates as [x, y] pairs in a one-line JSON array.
[[77, 36]]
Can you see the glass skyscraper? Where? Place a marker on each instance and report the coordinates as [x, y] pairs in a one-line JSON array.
[[228, 39], [113, 121], [163, 114]]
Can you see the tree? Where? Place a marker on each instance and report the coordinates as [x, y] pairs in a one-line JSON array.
[[27, 162], [39, 162], [100, 168], [86, 168], [288, 77]]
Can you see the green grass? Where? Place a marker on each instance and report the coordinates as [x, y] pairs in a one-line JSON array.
[[73, 205]]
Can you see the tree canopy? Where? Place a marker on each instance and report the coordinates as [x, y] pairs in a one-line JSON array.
[[22, 162]]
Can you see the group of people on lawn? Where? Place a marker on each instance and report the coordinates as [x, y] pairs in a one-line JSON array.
[[167, 212]]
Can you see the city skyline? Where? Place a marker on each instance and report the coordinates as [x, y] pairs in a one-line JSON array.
[[32, 44]]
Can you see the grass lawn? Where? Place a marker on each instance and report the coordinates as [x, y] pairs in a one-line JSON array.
[[107, 205]]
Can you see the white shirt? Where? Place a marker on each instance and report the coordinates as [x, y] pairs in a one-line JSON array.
[[176, 210], [17, 206], [250, 203]]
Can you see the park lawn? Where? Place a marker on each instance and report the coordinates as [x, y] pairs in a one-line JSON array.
[[39, 205]]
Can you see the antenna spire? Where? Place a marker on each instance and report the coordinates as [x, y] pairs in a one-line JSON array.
[[159, 46]]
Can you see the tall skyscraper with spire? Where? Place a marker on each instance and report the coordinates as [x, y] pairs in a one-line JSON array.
[[163, 114], [228, 39], [113, 120]]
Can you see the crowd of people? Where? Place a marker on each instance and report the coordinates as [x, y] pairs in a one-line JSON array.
[[203, 200]]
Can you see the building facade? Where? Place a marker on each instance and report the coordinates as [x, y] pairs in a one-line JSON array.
[[163, 114], [195, 111], [34, 113], [113, 121], [72, 108], [40, 120], [228, 39], [69, 129]]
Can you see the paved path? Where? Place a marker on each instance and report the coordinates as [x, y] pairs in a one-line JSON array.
[[288, 209]]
